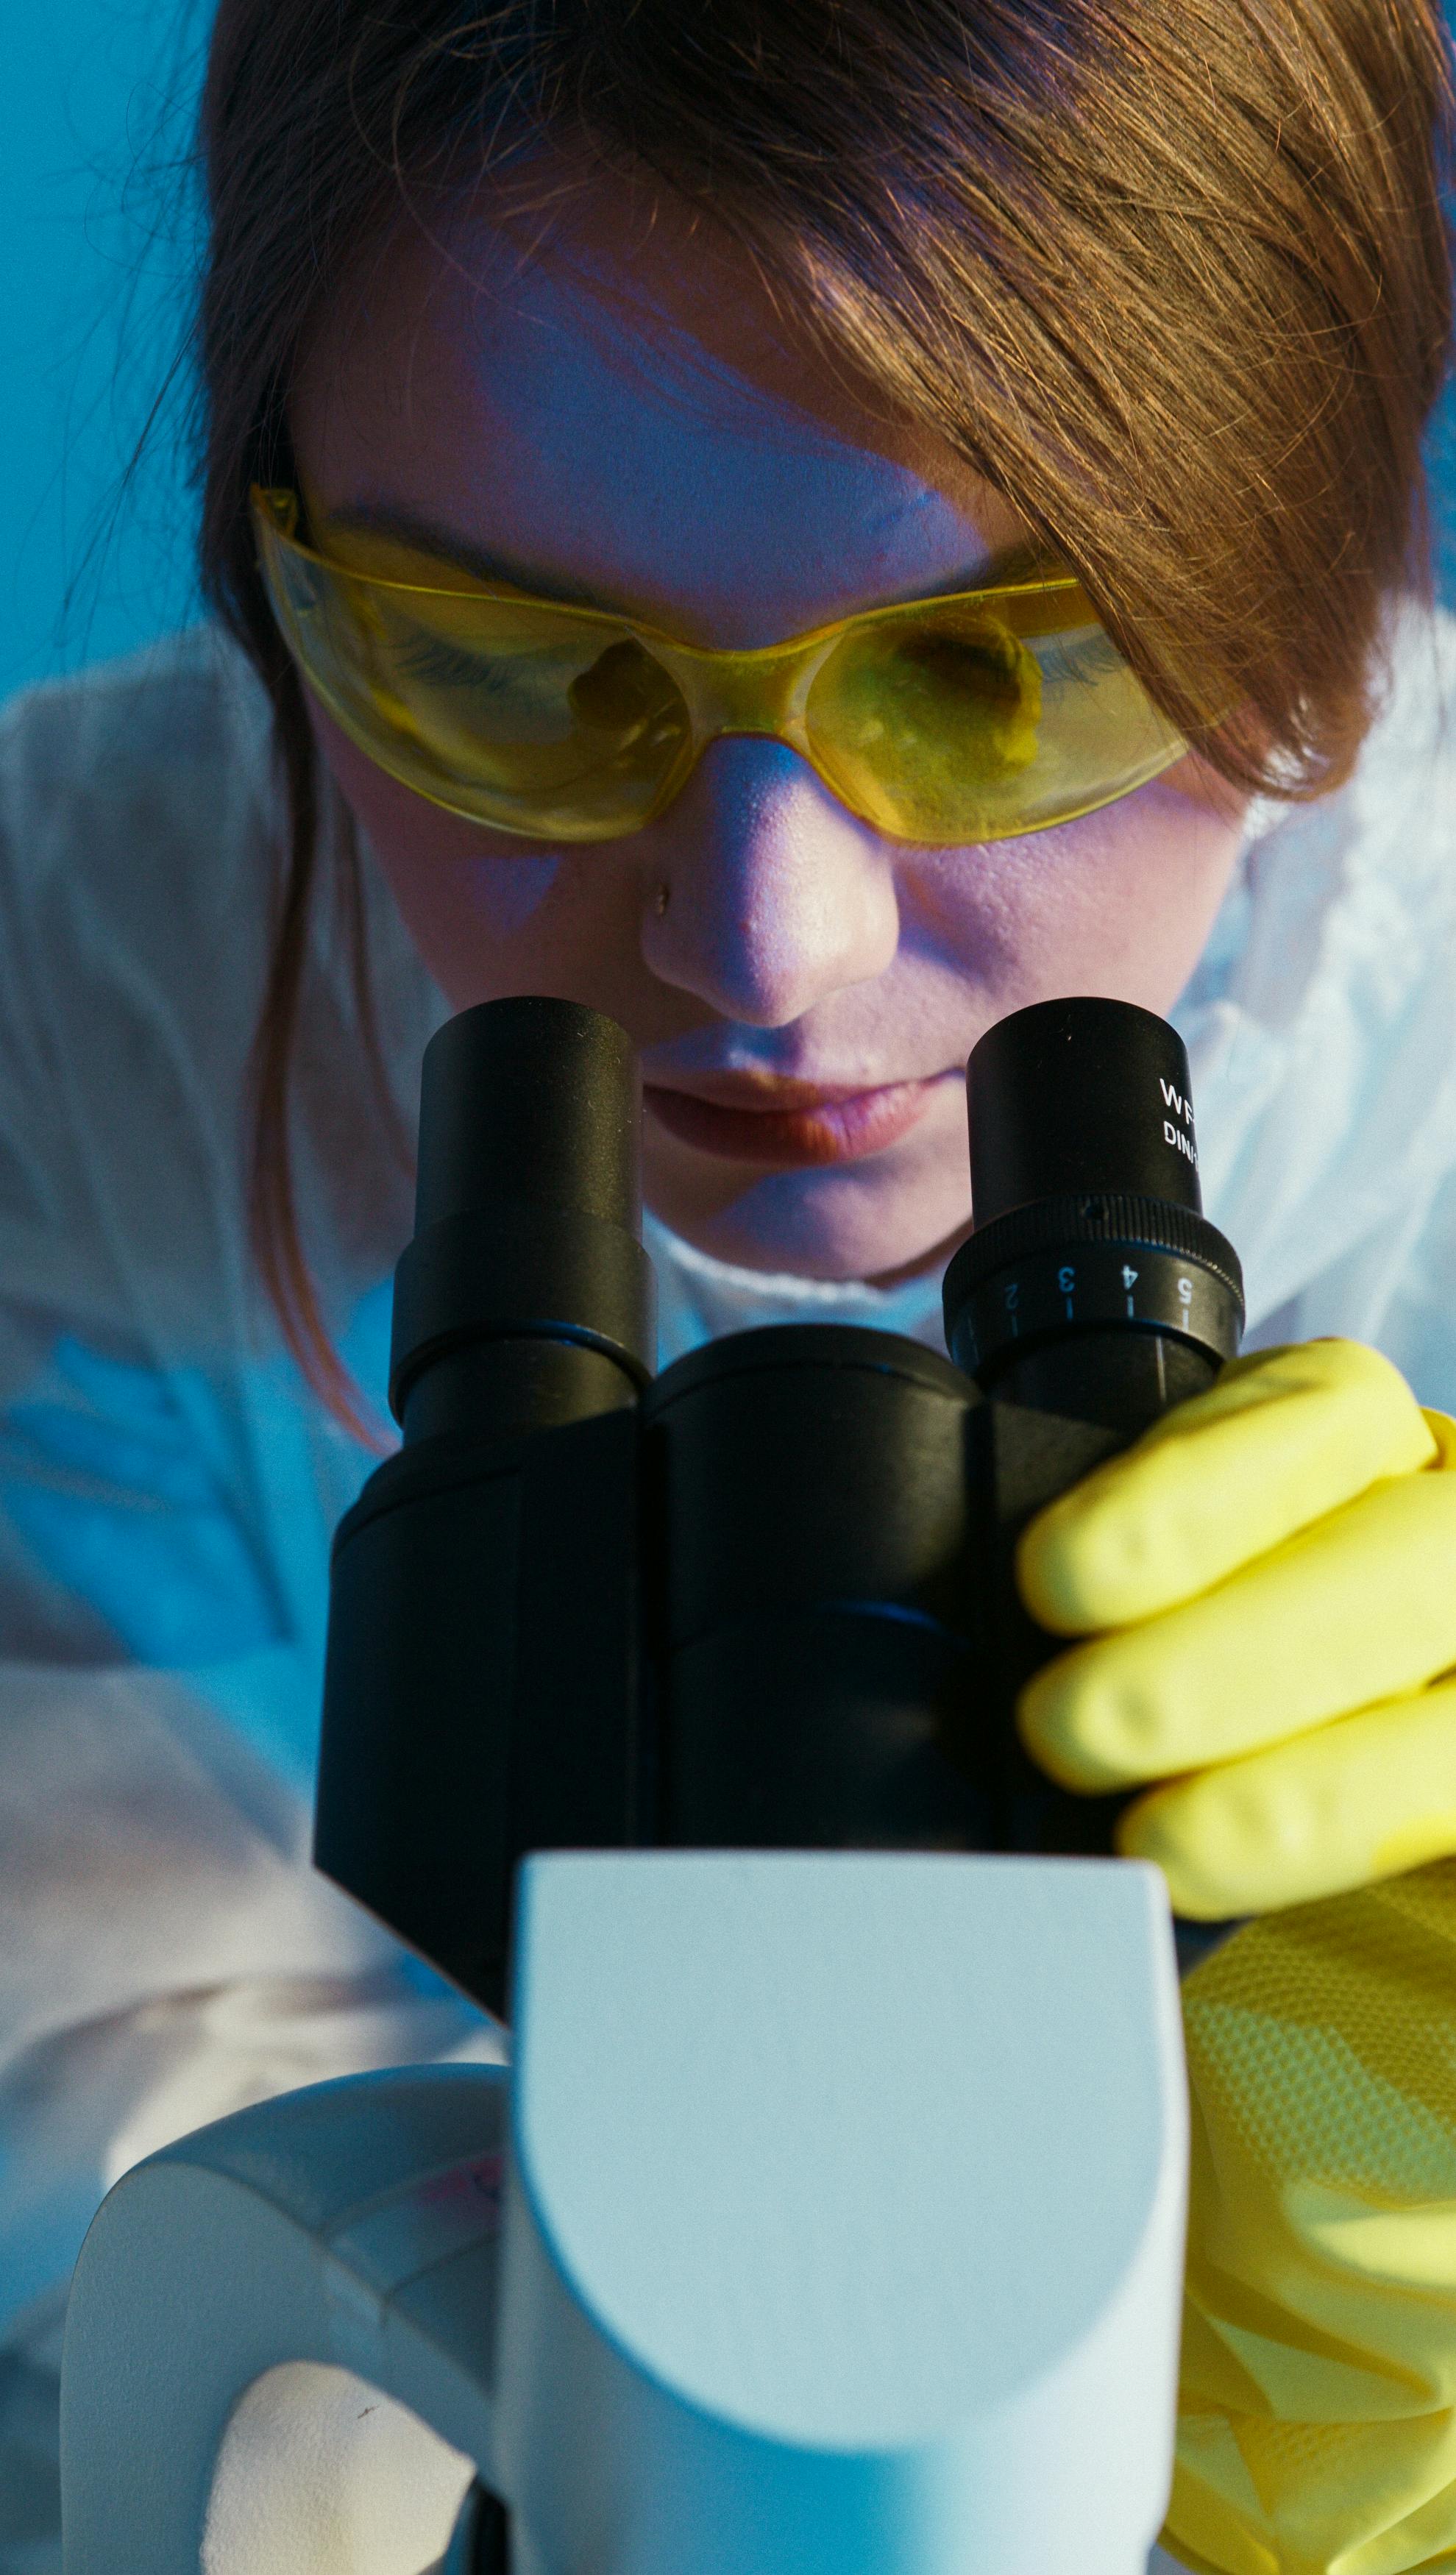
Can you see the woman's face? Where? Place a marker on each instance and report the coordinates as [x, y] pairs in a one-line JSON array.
[[603, 404]]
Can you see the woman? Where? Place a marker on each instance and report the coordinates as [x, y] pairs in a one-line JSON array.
[[1061, 370]]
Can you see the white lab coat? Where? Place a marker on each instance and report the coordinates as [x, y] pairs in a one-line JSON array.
[[168, 1485]]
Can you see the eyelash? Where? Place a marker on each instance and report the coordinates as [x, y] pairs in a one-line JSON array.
[[1079, 662], [425, 658]]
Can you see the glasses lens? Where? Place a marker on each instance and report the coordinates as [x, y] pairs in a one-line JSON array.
[[947, 726], [533, 719]]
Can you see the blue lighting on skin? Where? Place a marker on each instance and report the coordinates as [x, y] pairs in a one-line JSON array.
[[573, 423], [647, 429]]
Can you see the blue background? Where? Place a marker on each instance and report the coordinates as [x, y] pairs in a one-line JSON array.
[[94, 219], [95, 216]]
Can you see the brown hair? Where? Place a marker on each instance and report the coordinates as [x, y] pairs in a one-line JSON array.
[[1174, 280]]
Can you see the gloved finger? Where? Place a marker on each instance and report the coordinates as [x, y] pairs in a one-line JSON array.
[[1352, 1802], [1360, 1608], [1443, 1430], [1280, 1440]]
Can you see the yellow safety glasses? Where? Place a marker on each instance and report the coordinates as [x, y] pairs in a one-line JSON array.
[[950, 720]]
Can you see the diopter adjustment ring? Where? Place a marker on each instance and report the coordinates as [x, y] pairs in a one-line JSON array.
[[1098, 1261], [520, 1271]]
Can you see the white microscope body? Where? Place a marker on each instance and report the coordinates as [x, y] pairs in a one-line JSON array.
[[828, 2222]]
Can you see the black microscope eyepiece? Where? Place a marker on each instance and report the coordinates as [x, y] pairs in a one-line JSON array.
[[1093, 1284], [526, 1296]]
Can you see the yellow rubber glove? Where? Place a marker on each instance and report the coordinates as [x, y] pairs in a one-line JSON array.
[[1317, 2403], [1276, 1563], [1273, 1569]]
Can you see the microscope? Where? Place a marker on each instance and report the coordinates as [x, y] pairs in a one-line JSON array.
[[828, 2220]]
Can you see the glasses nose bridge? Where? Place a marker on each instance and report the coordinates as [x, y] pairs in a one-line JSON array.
[[760, 691]]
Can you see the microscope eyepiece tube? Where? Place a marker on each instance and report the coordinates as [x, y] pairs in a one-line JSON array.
[[481, 1679], [530, 1098], [1093, 1284], [1076, 1095], [525, 1297]]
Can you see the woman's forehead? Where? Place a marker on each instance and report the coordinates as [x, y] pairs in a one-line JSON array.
[[619, 405]]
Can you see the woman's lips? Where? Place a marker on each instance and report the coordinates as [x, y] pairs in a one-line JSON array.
[[819, 1127]]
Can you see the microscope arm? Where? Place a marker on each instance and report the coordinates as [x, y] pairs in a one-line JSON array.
[[352, 2225]]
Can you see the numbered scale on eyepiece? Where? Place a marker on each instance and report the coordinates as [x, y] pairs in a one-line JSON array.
[[1093, 1286]]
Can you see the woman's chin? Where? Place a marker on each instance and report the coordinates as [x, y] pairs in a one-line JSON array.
[[882, 1218]]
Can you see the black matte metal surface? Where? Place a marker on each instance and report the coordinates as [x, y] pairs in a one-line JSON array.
[[1079, 1096], [530, 1098], [767, 1598]]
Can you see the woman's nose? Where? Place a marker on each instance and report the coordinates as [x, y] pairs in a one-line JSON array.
[[775, 896]]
